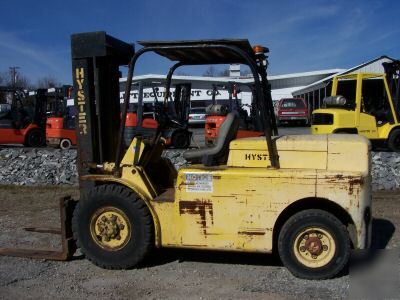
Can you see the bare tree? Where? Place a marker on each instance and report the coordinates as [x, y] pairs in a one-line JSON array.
[[210, 72], [15, 78], [46, 82], [224, 73], [23, 82], [2, 79]]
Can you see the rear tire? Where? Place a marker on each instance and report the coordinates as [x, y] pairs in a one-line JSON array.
[[65, 144], [314, 244], [113, 227], [181, 139], [394, 140], [35, 138]]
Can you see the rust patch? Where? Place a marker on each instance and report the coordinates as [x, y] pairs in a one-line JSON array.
[[181, 185], [198, 207], [353, 182], [217, 177], [248, 232]]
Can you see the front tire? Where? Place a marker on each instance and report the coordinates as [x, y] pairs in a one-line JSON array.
[[394, 140], [113, 227], [35, 138], [314, 244]]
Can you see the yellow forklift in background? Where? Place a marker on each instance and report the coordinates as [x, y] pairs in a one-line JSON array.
[[306, 197], [365, 104]]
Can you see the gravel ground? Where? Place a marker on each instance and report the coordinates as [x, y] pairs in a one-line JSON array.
[[166, 274]]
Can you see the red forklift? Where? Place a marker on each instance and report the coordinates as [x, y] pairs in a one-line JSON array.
[[143, 118], [22, 117], [250, 124], [60, 124]]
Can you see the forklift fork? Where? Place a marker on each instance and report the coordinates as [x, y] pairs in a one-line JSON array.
[[67, 205]]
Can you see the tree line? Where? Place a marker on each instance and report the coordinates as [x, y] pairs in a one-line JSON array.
[[10, 79]]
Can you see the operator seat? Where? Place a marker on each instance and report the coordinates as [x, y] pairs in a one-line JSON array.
[[218, 154]]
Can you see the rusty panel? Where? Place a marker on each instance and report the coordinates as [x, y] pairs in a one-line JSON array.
[[352, 191], [238, 214]]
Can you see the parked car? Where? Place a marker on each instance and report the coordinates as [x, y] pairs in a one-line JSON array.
[[197, 116], [292, 110]]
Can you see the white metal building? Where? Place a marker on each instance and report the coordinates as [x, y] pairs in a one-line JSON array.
[[311, 86], [282, 86]]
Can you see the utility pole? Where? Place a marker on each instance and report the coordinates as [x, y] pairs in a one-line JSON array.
[[13, 71]]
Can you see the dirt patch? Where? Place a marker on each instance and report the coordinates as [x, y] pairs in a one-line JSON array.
[[171, 274]]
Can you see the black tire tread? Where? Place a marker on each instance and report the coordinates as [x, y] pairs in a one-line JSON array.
[[391, 138], [299, 217], [32, 131], [145, 216]]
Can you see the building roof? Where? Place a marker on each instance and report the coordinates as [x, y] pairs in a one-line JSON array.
[[279, 94], [304, 74], [326, 80], [159, 77]]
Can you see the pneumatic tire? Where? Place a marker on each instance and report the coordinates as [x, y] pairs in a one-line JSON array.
[[181, 139], [394, 140], [113, 227], [65, 144], [35, 138], [314, 244]]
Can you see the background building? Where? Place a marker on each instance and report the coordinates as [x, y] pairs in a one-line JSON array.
[[312, 86]]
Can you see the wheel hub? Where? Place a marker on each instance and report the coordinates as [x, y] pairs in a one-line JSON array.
[[110, 228], [314, 247]]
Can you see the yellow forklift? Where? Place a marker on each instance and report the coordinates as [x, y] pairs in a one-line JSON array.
[[306, 197], [365, 104]]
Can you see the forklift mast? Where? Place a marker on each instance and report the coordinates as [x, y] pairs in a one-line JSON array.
[[96, 58], [39, 108], [182, 102], [392, 70], [57, 104]]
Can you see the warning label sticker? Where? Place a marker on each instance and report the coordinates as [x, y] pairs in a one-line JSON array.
[[199, 182]]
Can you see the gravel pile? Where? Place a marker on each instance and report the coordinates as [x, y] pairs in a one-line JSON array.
[[385, 171], [176, 157], [24, 166]]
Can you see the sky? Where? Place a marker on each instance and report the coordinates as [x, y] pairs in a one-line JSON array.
[[301, 35]]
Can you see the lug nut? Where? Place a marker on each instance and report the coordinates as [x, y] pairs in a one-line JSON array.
[[325, 247], [314, 256], [306, 237], [302, 248], [319, 236]]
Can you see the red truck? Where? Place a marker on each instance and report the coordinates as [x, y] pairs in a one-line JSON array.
[[292, 110]]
